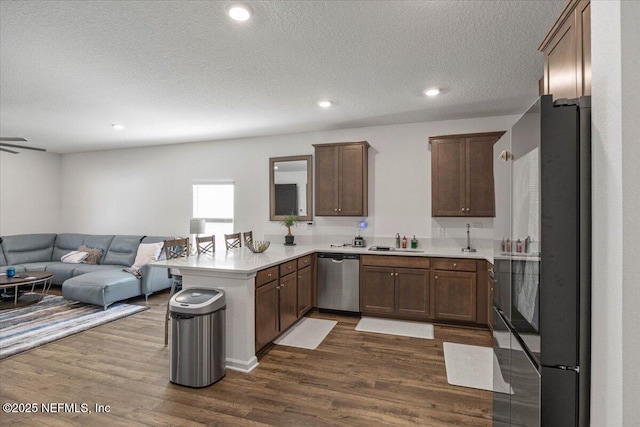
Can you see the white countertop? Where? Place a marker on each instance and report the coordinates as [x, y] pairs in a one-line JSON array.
[[242, 260]]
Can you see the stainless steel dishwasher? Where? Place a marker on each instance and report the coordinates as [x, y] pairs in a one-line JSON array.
[[339, 282]]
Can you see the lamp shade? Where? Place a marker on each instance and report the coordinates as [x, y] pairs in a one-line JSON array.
[[196, 225]]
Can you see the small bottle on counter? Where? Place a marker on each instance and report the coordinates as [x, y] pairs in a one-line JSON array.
[[507, 245], [503, 245], [397, 240], [518, 246], [414, 242], [404, 242]]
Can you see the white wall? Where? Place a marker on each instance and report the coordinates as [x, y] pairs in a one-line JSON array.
[[147, 190], [616, 203], [29, 192]]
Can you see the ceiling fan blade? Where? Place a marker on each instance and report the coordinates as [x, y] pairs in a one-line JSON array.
[[8, 151], [12, 139], [24, 147]]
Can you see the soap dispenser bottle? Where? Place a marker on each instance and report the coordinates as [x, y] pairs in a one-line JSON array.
[[398, 240], [404, 242], [414, 242]]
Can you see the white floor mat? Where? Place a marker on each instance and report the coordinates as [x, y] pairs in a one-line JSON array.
[[306, 333], [396, 327], [473, 366]]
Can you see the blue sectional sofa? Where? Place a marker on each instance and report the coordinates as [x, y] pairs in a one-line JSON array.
[[99, 284]]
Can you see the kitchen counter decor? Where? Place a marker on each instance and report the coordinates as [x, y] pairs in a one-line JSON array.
[[258, 246]]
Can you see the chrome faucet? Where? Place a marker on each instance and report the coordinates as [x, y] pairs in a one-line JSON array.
[[468, 248]]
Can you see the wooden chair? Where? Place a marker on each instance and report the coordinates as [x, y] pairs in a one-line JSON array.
[[248, 237], [206, 245], [233, 240], [174, 248]]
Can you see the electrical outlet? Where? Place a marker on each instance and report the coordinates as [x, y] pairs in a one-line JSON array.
[[442, 232], [476, 225]]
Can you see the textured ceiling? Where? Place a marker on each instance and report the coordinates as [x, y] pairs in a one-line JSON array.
[[182, 71]]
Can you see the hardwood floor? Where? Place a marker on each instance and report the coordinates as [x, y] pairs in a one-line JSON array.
[[352, 378]]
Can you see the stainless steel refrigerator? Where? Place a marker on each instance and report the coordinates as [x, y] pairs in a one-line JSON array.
[[542, 259]]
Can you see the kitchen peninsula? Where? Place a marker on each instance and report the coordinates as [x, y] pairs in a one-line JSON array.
[[235, 272]]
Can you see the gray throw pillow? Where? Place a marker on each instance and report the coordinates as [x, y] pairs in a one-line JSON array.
[[94, 254]]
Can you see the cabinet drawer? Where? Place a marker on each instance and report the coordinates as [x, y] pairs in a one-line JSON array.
[[288, 267], [395, 261], [267, 275], [454, 264], [304, 261]]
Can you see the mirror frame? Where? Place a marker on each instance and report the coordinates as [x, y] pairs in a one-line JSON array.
[[272, 187]]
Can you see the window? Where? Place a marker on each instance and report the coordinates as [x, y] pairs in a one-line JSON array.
[[213, 201]]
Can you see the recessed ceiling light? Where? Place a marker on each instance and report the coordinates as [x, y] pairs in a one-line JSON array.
[[239, 12], [432, 92], [117, 126], [325, 104]]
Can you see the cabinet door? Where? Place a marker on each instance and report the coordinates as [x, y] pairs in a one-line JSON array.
[[378, 294], [352, 188], [326, 180], [561, 62], [583, 21], [304, 290], [453, 295], [412, 292], [267, 326], [448, 177], [480, 199], [288, 300]]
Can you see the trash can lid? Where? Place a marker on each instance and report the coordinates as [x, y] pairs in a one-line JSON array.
[[197, 301]]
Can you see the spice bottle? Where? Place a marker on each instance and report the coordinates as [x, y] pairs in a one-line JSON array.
[[414, 242], [404, 242]]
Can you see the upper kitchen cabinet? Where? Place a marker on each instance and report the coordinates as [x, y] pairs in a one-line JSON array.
[[341, 179], [567, 53], [462, 175]]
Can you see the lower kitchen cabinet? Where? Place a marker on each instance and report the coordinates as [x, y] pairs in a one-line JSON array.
[[288, 301], [267, 313], [453, 295], [395, 290], [305, 283]]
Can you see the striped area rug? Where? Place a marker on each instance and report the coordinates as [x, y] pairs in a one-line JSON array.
[[53, 318]]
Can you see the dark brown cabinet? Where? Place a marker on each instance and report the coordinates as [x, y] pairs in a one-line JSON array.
[[341, 179], [390, 289], [284, 293], [462, 175], [454, 295], [567, 53], [304, 290]]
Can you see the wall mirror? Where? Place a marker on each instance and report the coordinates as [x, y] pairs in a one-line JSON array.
[[290, 185]]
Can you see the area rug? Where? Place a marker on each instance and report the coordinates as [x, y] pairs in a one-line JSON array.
[[306, 333], [396, 327], [53, 318], [473, 366]]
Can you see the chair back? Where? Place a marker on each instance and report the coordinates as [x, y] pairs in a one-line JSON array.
[[248, 237], [176, 248], [233, 240], [206, 244]]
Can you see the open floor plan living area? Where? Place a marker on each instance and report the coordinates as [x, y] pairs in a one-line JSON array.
[[319, 213]]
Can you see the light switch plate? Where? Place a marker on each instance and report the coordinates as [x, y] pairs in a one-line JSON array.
[[442, 232]]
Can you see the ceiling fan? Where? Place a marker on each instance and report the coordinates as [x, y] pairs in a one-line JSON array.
[[5, 140]]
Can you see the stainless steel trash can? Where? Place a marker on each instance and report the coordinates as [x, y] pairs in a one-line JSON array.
[[197, 337]]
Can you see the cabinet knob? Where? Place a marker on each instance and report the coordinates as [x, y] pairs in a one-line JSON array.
[[299, 277], [462, 209], [336, 209], [392, 274], [455, 264], [396, 274], [269, 275], [340, 210], [436, 277], [278, 287], [467, 209]]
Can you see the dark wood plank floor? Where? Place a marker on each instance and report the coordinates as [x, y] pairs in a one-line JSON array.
[[352, 379]]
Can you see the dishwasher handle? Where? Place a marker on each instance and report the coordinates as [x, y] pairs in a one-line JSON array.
[[337, 261]]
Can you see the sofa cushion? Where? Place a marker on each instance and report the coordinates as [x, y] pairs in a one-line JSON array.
[[24, 248], [3, 260], [102, 287], [99, 242], [122, 250], [36, 266], [90, 268], [65, 243], [61, 271]]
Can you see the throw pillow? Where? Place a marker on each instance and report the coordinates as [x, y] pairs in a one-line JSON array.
[[74, 257], [94, 254], [147, 252]]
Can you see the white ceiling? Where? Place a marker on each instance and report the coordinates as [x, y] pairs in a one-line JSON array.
[[182, 71]]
